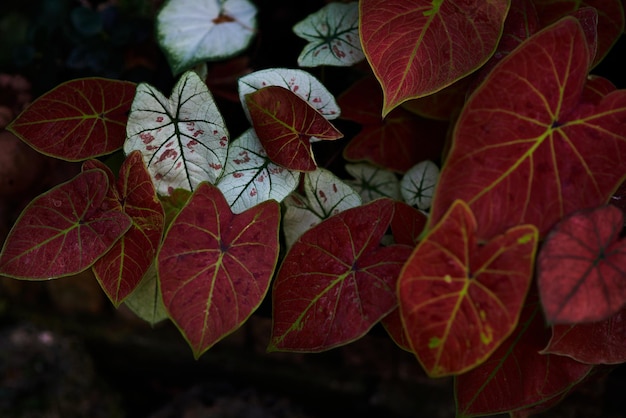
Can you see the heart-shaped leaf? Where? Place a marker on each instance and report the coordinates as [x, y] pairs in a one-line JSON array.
[[300, 82], [592, 343], [418, 184], [581, 267], [65, 230], [419, 47], [285, 125], [191, 32], [333, 35], [215, 267], [325, 195], [250, 177], [459, 301], [121, 269], [336, 281], [517, 376], [183, 139], [527, 144], [373, 182], [78, 120]]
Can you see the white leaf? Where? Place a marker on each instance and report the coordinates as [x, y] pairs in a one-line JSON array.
[[326, 195], [146, 301], [183, 139], [300, 82], [250, 177], [333, 35], [418, 184], [373, 182], [192, 31]]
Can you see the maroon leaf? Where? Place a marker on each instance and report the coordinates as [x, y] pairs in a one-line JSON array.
[[407, 224], [65, 230], [79, 119], [336, 281], [215, 267], [285, 124], [121, 269], [582, 267]]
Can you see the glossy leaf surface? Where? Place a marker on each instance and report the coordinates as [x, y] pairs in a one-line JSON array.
[[581, 267], [336, 281], [215, 267], [517, 376], [592, 343], [459, 300], [121, 269], [191, 32], [77, 120], [526, 148], [333, 36], [285, 125], [183, 139], [419, 47], [65, 230], [250, 177], [325, 195]]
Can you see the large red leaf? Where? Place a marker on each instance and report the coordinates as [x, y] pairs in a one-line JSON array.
[[517, 376], [215, 267], [602, 342], [397, 142], [336, 281], [285, 124], [79, 119], [418, 47], [459, 300], [526, 149], [121, 269], [65, 230], [582, 267]]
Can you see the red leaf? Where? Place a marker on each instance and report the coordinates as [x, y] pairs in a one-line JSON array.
[[77, 120], [582, 267], [64, 231], [285, 124], [395, 328], [459, 300], [421, 46], [336, 281], [601, 342], [399, 141], [121, 269], [215, 267], [526, 149], [407, 224], [516, 375]]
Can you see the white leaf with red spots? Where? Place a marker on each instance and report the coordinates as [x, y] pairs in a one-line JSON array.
[[183, 139], [251, 178], [333, 35], [373, 182], [325, 195], [196, 31], [298, 81]]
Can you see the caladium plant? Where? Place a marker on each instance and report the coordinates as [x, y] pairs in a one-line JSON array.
[[473, 205]]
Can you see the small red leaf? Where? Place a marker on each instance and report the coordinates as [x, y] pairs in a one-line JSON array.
[[592, 343], [79, 119], [419, 47], [285, 124], [121, 269], [215, 267], [65, 230], [517, 376], [459, 300], [582, 267], [407, 224], [336, 281]]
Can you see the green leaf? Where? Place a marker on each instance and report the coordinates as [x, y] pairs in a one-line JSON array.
[[183, 139], [193, 31], [333, 35], [146, 301]]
